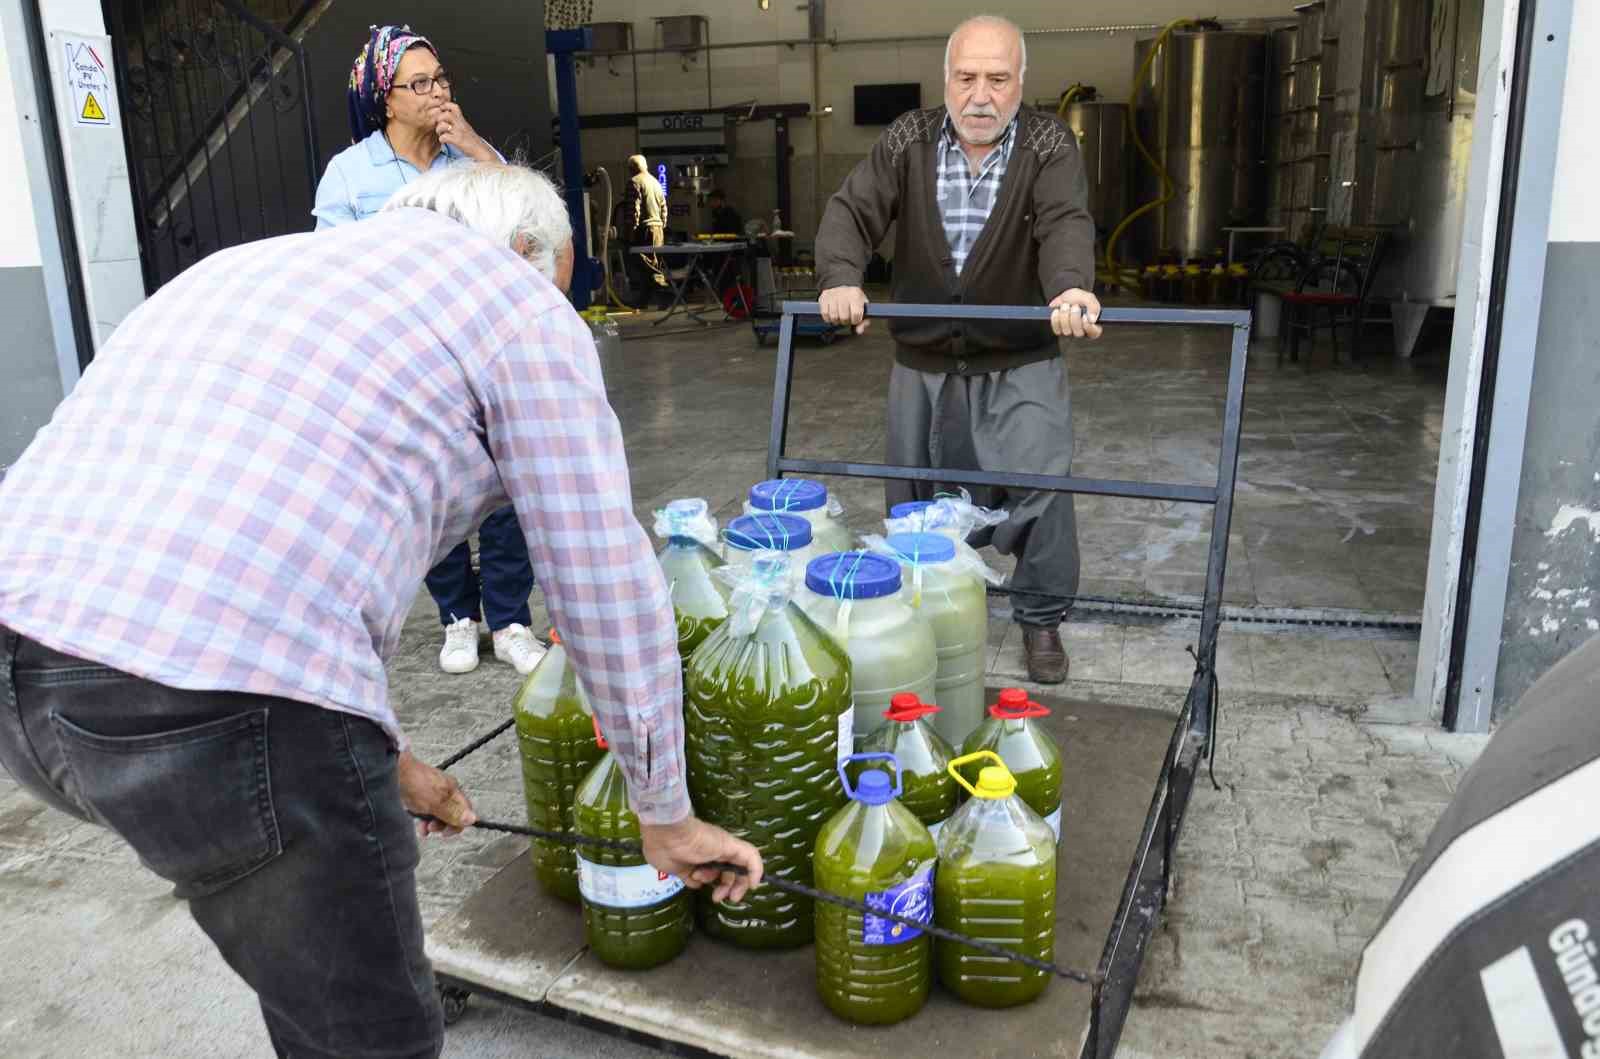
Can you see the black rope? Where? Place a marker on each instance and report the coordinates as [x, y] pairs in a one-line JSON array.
[[1214, 697], [616, 845], [476, 744]]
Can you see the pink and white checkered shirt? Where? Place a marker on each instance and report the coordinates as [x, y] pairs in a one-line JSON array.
[[248, 485]]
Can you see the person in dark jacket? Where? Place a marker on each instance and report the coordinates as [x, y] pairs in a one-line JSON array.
[[725, 219], [992, 204]]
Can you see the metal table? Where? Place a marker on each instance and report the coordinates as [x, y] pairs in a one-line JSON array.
[[697, 253]]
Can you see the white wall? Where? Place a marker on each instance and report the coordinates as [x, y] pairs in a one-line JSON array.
[[19, 238], [784, 75], [97, 174], [1574, 207]]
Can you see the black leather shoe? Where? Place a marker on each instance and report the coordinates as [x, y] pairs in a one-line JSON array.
[[1047, 659]]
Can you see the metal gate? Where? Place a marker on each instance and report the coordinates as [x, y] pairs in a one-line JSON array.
[[218, 125]]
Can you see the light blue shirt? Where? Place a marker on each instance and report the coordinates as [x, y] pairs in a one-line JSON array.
[[361, 178]]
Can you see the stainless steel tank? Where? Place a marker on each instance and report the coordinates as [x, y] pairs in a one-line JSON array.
[[1102, 131], [1420, 91], [1201, 109], [1281, 120], [1315, 70]]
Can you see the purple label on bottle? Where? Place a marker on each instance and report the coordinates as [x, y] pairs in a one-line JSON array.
[[912, 899]]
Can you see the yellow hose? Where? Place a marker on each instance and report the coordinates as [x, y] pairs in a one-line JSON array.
[[1067, 97], [605, 239], [1169, 188]]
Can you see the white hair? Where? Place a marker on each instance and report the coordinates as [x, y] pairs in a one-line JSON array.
[[508, 203], [999, 22]]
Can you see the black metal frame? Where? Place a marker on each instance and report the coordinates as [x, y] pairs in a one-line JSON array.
[[199, 65], [1145, 892]]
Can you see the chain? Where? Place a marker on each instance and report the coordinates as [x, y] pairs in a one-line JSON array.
[[623, 846]]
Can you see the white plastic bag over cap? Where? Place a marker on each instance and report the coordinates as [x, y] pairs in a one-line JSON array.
[[966, 561], [765, 585], [690, 517], [956, 513]]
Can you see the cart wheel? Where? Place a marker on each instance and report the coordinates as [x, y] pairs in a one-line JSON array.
[[761, 339], [827, 337], [455, 1003]]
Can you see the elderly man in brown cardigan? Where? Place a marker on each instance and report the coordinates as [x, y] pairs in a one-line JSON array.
[[992, 205]]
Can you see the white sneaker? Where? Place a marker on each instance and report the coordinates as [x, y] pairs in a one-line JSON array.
[[516, 645], [460, 651]]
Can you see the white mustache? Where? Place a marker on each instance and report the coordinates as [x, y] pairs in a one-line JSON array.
[[980, 112]]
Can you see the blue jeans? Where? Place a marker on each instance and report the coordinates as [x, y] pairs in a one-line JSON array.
[[506, 576], [279, 823]]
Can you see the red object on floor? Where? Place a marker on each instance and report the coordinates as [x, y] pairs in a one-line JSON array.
[[734, 305]]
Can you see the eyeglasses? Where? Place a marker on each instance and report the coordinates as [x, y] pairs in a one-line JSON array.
[[424, 85]]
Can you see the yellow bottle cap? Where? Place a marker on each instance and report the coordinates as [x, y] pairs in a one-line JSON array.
[[994, 781]]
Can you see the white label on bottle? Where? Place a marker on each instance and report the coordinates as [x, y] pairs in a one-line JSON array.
[[1054, 820], [636, 886], [847, 732]]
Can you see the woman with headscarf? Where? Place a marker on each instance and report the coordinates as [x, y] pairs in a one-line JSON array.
[[403, 123]]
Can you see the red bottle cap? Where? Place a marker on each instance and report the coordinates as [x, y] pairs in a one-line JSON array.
[[599, 739], [1014, 705], [907, 707]]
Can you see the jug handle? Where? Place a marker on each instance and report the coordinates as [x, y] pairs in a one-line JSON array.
[[875, 755], [954, 767]]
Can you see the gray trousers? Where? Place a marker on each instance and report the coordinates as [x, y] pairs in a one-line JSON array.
[[1018, 420]]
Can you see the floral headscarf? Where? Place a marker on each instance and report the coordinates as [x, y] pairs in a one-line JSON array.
[[373, 75]]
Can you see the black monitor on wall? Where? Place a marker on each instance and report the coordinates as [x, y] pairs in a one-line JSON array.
[[881, 104]]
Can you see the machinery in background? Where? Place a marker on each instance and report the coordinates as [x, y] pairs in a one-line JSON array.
[[687, 149], [1102, 132], [1198, 111], [1418, 94]]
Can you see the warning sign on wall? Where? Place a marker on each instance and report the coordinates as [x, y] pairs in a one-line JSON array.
[[90, 82]]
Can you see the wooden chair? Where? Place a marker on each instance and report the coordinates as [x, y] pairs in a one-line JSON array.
[[1336, 284]]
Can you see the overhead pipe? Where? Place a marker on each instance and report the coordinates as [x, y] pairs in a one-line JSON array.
[[935, 38]]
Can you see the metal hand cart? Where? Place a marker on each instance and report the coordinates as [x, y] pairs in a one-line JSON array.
[[774, 286], [1128, 774]]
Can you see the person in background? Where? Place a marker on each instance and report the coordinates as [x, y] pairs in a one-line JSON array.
[[196, 607], [647, 216], [993, 209], [725, 220], [403, 123]]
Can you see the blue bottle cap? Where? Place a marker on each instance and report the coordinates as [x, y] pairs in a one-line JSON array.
[[783, 533], [910, 507], [873, 788], [788, 494], [923, 547], [853, 575]]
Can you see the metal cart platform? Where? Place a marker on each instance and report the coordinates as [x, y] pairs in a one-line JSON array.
[[1127, 778]]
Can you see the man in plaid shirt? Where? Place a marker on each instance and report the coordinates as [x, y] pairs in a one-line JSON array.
[[990, 207], [207, 555]]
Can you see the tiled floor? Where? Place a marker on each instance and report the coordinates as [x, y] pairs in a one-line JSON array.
[[1281, 875], [1336, 465]]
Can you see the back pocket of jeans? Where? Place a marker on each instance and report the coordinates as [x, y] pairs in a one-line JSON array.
[[195, 803]]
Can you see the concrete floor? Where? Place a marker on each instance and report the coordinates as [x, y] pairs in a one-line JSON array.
[[1281, 875], [1336, 467]]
